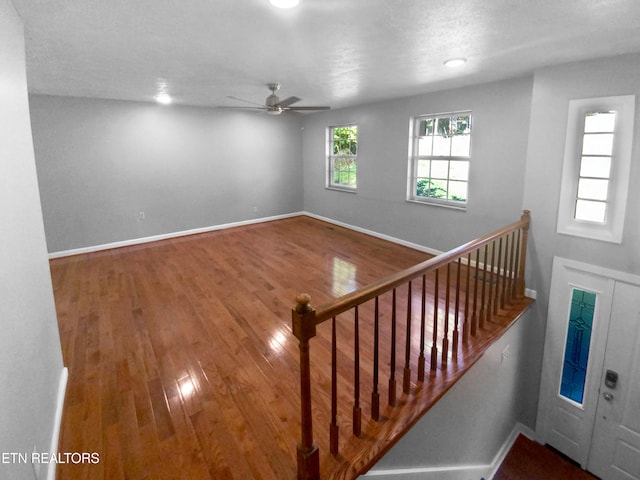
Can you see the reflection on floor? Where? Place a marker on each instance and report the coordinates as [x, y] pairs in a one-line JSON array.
[[528, 460]]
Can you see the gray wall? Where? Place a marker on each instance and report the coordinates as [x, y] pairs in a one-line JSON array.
[[101, 162], [553, 88], [499, 146], [472, 421], [30, 355]]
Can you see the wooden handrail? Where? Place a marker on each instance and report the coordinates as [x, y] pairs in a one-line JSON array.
[[386, 284], [509, 271]]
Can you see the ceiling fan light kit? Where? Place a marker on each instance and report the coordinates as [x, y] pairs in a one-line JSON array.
[[274, 106]]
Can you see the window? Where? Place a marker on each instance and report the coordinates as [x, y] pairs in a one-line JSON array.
[[595, 175], [342, 159], [595, 166], [439, 163]]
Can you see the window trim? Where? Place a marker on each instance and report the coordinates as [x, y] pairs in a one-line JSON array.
[[329, 185], [612, 228], [412, 166]]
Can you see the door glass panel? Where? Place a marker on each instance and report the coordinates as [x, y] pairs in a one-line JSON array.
[[576, 351]]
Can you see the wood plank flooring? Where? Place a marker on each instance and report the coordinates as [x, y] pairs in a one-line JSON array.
[[182, 364], [528, 460]]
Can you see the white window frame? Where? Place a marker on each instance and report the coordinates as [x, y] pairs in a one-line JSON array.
[[330, 160], [612, 228], [414, 157]]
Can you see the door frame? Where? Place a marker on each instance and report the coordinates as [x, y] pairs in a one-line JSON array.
[[567, 274]]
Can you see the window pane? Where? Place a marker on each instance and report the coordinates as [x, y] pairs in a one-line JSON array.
[[424, 145], [576, 351], [339, 163], [431, 188], [590, 211], [461, 124], [599, 122], [460, 145], [423, 168], [438, 189], [459, 171], [441, 146], [443, 126], [597, 144], [425, 127], [595, 167], [458, 191], [439, 169], [592, 189]]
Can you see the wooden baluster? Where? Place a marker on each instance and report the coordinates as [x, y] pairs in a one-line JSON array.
[[375, 395], [511, 272], [466, 324], [491, 301], [456, 318], [445, 337], [496, 303], [516, 268], [406, 377], [421, 359], [357, 410], [474, 315], [505, 274], [520, 287], [334, 430], [304, 328], [483, 312], [434, 344], [392, 377]]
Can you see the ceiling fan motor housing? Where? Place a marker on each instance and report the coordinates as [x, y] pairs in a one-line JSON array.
[[272, 100]]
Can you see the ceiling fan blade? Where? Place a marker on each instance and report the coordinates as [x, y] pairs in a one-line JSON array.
[[246, 101], [288, 101], [227, 107], [308, 108]]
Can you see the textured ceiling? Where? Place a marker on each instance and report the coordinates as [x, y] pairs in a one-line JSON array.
[[328, 52]]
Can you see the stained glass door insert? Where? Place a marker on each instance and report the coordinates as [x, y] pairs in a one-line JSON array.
[[576, 351]]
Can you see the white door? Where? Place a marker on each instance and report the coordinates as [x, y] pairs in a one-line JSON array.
[[593, 329], [615, 448], [565, 419]]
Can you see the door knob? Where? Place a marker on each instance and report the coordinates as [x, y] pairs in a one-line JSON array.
[[608, 396]]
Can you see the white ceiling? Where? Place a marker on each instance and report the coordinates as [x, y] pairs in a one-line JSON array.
[[328, 52]]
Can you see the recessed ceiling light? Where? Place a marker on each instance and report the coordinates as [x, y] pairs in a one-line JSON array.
[[284, 3], [163, 98], [455, 62]]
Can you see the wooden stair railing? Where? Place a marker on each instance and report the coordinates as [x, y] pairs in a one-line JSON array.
[[488, 272]]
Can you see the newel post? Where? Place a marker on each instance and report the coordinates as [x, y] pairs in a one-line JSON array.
[[526, 218], [303, 318]]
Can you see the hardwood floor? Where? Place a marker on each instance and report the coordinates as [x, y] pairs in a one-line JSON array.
[[528, 460], [182, 364]]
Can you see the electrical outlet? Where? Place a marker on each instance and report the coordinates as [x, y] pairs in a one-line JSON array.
[[140, 215], [505, 353], [255, 209]]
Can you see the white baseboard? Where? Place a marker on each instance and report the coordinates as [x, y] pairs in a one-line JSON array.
[[506, 446], [57, 421], [455, 472], [137, 241], [388, 238], [164, 236]]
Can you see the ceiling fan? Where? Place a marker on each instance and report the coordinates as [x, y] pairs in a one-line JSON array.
[[274, 106]]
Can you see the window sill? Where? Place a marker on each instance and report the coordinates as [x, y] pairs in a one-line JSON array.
[[341, 189], [462, 208]]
